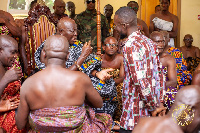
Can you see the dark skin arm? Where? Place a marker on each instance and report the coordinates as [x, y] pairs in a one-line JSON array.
[[22, 50], [23, 111], [7, 19], [173, 33], [92, 96], [197, 54], [121, 72], [171, 71], [151, 25], [10, 75]]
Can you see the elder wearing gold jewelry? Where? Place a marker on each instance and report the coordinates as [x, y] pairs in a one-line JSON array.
[[187, 103]]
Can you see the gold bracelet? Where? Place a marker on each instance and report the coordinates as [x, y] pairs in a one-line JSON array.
[[79, 68]]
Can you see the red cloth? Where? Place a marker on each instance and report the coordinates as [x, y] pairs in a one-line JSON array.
[[7, 119]]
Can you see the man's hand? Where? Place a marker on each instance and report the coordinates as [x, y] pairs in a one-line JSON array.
[[103, 74], [86, 50], [6, 105], [160, 111], [13, 74]]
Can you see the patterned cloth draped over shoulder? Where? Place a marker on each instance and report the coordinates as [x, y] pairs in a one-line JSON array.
[[72, 119], [169, 98], [184, 76], [192, 63]]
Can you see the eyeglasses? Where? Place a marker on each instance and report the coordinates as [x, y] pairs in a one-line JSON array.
[[188, 39], [161, 41], [88, 2], [134, 8], [111, 45]]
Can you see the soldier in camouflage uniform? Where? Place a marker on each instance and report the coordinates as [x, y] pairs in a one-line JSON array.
[[87, 25]]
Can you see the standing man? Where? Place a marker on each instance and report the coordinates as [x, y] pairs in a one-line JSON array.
[[87, 25], [144, 82], [71, 9], [59, 9], [108, 11], [142, 26], [164, 20]]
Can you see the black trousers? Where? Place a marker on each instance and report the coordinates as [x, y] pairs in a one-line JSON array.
[[124, 131]]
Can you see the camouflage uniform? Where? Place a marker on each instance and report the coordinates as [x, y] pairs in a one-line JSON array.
[[87, 27]]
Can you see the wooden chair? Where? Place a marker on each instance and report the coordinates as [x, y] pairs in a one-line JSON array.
[[39, 25]]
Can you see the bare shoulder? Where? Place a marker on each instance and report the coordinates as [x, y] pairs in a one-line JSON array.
[[153, 16], [120, 56], [174, 17], [7, 14], [141, 22]]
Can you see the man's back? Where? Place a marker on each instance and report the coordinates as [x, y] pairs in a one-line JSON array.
[[56, 87]]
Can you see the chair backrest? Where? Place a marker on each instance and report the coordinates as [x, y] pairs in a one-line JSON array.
[[39, 25]]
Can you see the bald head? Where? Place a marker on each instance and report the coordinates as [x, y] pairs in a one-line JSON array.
[[154, 34], [56, 46], [7, 41], [110, 38], [189, 95], [123, 15], [65, 22]]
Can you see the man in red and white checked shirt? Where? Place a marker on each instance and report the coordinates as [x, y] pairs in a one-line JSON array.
[[144, 80]]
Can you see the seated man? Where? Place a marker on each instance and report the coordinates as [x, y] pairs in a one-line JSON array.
[[191, 53], [53, 106], [81, 59], [183, 75], [111, 59], [9, 83], [169, 67], [186, 104]]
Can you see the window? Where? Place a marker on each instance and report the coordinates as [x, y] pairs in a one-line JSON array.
[[20, 8]]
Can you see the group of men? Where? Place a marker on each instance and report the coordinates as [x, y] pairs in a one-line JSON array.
[[70, 100]]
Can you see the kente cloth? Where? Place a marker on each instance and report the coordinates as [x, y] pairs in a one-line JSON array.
[[106, 89], [4, 30], [169, 97], [184, 77], [144, 81], [192, 63], [164, 25], [71, 119], [7, 119], [87, 28]]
